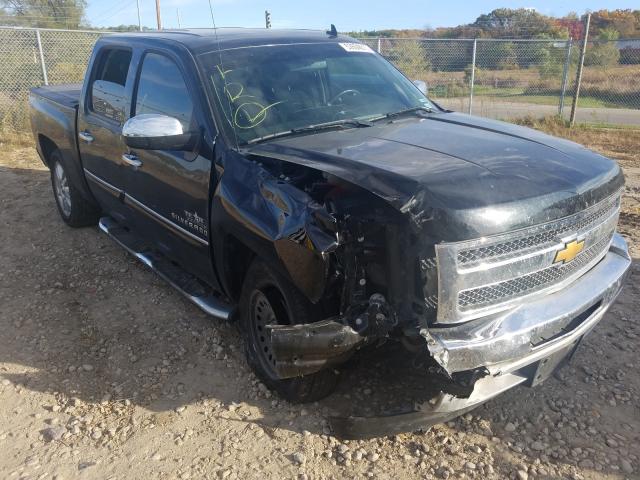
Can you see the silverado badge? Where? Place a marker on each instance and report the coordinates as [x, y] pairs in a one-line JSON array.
[[569, 251]]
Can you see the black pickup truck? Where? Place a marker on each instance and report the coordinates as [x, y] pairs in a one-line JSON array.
[[299, 183]]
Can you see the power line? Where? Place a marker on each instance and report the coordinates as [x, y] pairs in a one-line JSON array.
[[106, 15], [110, 9], [125, 7]]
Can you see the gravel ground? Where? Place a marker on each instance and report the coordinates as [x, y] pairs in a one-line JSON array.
[[106, 372]]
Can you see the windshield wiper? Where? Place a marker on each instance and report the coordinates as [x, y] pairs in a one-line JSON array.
[[353, 122], [420, 108]]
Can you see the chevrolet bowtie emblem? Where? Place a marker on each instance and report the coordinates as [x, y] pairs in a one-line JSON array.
[[569, 251]]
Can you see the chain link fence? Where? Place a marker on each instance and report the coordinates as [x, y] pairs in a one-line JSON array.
[[478, 75], [508, 79], [502, 79], [34, 57]]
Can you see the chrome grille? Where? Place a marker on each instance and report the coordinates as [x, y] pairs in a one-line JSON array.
[[500, 292], [483, 276], [546, 236]]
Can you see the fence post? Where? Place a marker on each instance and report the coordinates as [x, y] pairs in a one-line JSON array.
[[576, 94], [379, 45], [43, 66], [473, 74], [565, 77]]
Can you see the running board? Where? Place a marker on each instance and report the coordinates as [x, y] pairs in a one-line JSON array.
[[192, 288]]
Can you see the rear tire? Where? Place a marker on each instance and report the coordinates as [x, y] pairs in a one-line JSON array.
[[268, 297], [75, 210]]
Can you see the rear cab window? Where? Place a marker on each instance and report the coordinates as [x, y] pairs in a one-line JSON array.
[[107, 89]]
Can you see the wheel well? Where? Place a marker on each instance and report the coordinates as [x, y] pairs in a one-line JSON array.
[[46, 147], [238, 257]]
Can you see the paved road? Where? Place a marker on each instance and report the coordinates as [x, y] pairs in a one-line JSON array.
[[492, 108]]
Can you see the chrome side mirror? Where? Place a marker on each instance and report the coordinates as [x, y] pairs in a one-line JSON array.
[[422, 86], [156, 132]]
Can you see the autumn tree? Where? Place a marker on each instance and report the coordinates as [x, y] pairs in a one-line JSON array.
[[625, 22], [43, 13], [518, 23]]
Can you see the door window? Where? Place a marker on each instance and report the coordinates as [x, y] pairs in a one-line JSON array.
[[162, 90], [108, 97]]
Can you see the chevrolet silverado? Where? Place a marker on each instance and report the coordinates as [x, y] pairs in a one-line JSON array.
[[299, 183]]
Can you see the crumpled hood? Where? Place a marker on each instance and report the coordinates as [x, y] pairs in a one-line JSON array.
[[471, 176]]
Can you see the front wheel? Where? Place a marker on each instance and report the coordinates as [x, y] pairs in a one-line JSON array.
[[267, 299], [74, 209]]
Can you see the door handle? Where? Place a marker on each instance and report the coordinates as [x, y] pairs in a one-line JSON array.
[[85, 136], [132, 160]]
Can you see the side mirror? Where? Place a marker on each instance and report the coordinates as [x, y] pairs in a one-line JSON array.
[[422, 86], [157, 132]]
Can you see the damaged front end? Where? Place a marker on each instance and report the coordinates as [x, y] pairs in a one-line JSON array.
[[374, 262], [346, 249]]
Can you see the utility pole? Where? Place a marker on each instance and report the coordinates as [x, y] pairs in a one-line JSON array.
[[139, 22], [267, 19], [158, 15], [574, 105], [178, 14]]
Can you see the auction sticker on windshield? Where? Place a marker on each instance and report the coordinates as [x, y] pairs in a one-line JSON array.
[[356, 47]]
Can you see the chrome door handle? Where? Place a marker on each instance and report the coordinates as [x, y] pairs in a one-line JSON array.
[[132, 160], [85, 137]]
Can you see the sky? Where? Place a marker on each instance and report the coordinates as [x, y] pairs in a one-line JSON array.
[[347, 15]]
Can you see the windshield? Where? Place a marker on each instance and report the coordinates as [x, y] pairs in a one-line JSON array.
[[267, 90]]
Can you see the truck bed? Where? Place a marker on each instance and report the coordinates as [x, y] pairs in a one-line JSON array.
[[67, 95], [53, 112]]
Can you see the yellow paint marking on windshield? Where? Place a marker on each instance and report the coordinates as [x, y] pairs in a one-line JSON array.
[[235, 93], [255, 120], [223, 74], [233, 97]]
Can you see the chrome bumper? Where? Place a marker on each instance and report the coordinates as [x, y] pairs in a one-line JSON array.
[[510, 346], [508, 341]]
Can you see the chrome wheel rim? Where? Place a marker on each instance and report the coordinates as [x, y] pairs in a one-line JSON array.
[[61, 185], [263, 314]]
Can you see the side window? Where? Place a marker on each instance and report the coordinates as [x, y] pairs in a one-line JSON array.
[[108, 97], [162, 90]]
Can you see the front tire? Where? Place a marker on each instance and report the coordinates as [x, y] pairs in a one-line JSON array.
[[268, 298], [74, 209]]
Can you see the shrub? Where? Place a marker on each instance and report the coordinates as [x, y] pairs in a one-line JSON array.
[[603, 54]]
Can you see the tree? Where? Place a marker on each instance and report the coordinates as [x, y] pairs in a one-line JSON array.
[[518, 23], [496, 55], [604, 52], [43, 13], [572, 24], [409, 56], [625, 22]]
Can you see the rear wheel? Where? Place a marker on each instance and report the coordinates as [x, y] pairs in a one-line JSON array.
[[74, 209], [268, 299]]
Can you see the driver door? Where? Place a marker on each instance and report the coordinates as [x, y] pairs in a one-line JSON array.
[[168, 190]]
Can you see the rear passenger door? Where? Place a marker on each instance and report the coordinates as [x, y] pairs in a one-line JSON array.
[[100, 121], [168, 191]]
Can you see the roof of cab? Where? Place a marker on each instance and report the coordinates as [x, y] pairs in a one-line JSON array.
[[204, 40]]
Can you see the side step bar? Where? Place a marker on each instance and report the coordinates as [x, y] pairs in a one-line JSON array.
[[192, 288]]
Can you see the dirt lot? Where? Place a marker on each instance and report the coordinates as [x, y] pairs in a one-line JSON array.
[[106, 372]]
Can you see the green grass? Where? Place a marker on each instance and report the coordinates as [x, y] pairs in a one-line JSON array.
[[554, 124], [584, 102], [518, 95]]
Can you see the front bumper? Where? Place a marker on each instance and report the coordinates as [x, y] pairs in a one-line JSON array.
[[522, 346], [507, 341]]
